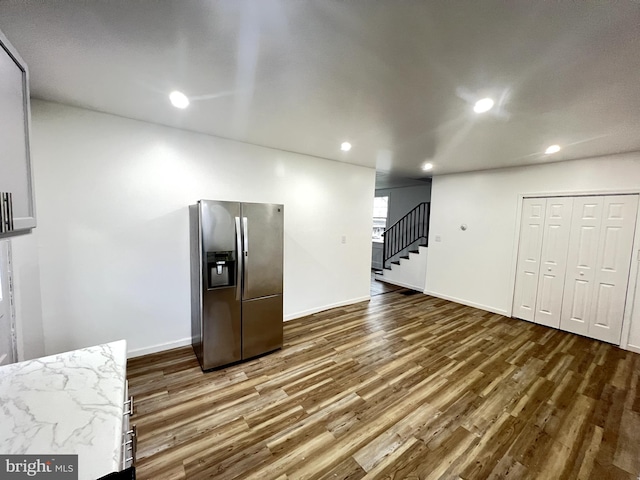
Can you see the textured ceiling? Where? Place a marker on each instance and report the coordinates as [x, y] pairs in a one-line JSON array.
[[396, 79]]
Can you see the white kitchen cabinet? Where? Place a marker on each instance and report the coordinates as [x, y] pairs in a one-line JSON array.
[[17, 210]]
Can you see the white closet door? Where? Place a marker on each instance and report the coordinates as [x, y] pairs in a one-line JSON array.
[[612, 267], [581, 264], [531, 227], [553, 261]]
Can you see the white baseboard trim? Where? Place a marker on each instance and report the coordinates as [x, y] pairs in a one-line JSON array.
[[400, 284], [159, 348], [187, 341], [467, 303], [311, 311], [631, 348]]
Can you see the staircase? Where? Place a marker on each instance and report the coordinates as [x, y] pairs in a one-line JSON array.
[[406, 234], [409, 272], [405, 249]]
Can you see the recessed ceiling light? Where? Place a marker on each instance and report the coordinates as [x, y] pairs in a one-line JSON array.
[[427, 166], [345, 147], [179, 99], [483, 105], [552, 149]]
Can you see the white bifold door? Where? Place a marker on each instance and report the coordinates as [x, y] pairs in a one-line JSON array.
[[578, 281], [531, 227], [553, 261]]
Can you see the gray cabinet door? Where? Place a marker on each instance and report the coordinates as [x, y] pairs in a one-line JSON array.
[[263, 249], [7, 339]]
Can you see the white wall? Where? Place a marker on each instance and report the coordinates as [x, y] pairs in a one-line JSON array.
[[477, 266], [403, 199], [112, 197], [410, 273], [26, 289], [634, 325]]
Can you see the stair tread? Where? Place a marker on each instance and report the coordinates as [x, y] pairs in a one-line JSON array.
[[414, 251], [395, 262], [406, 257], [387, 268]]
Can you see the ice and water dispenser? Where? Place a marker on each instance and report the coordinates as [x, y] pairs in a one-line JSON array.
[[221, 268]]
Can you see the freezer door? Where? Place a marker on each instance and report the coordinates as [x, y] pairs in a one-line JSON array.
[[263, 227], [196, 279], [218, 225], [261, 326], [221, 317]]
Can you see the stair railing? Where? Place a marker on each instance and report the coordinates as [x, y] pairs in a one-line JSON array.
[[409, 229]]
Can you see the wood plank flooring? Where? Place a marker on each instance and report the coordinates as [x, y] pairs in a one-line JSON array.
[[379, 288], [401, 387]]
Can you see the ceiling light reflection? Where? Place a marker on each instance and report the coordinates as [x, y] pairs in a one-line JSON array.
[[552, 149], [483, 105], [178, 99]]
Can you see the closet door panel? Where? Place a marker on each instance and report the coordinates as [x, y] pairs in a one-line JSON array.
[[581, 263], [553, 261], [530, 245], [547, 295], [612, 267]]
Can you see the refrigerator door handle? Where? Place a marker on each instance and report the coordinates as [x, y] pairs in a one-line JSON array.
[[239, 263], [245, 253]]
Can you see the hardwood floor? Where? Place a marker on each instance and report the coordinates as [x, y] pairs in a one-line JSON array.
[[401, 387], [380, 288]]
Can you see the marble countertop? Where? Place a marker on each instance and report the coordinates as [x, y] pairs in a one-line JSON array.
[[67, 403]]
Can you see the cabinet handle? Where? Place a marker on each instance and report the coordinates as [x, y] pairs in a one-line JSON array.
[[130, 402], [134, 445], [130, 445], [133, 436]]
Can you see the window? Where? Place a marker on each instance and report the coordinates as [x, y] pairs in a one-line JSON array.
[[380, 206]]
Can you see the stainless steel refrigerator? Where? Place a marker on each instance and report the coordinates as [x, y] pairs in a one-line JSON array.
[[236, 280]]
